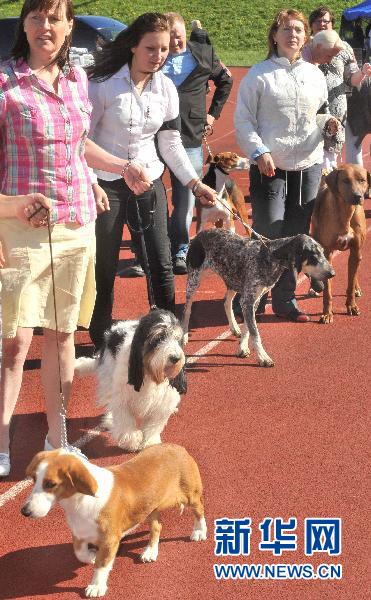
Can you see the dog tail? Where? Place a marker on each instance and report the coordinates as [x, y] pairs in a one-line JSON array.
[[85, 366], [196, 253]]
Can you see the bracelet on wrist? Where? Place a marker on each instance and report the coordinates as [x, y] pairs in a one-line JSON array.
[[125, 168], [195, 186]]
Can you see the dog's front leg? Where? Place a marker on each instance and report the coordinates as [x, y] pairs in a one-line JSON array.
[[248, 309], [327, 314], [354, 261], [228, 307], [193, 281], [103, 564], [124, 429]]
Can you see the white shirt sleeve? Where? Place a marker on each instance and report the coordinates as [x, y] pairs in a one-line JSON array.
[[245, 116], [170, 143], [173, 152]]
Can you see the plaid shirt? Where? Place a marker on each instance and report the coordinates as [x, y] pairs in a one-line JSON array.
[[42, 140]]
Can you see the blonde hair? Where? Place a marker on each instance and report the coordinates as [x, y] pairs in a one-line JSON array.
[[174, 17], [281, 17]]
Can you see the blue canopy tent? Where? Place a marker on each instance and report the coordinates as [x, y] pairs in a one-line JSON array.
[[351, 31], [362, 11]]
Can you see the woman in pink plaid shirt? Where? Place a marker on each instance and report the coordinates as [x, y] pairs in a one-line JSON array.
[[44, 122]]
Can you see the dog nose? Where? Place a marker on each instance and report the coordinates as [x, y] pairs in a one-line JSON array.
[[330, 273], [173, 358], [25, 511], [357, 199]]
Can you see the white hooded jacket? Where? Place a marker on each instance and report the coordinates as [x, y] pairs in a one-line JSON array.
[[276, 112]]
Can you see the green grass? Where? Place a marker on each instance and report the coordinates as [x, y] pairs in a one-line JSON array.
[[238, 28]]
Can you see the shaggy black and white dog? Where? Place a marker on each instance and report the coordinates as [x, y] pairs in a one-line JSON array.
[[141, 374]]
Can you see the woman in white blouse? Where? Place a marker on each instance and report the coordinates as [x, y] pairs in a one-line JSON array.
[[136, 107]]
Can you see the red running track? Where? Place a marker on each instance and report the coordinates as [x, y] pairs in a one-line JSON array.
[[284, 442]]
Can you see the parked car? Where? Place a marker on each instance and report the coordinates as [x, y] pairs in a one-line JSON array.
[[87, 31]]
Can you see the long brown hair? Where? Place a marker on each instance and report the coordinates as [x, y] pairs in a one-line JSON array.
[[117, 53], [21, 48], [281, 17]]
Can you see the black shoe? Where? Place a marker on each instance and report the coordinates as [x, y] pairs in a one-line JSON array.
[[135, 270], [180, 265]]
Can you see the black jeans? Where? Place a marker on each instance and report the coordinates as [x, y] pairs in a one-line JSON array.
[[282, 206], [109, 230]]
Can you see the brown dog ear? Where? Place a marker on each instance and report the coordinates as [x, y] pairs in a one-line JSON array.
[[332, 180], [31, 469], [80, 477]]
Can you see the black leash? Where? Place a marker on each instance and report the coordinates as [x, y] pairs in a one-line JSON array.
[[141, 229]]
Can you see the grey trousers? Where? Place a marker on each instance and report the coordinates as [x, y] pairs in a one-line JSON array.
[[282, 206]]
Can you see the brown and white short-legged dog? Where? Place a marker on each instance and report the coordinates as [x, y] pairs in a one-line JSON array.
[[102, 505], [339, 223], [230, 199]]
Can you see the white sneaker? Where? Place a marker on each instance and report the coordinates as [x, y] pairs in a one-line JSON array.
[[4, 464], [71, 449]]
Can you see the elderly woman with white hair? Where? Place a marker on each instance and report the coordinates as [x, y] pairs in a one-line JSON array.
[[335, 58]]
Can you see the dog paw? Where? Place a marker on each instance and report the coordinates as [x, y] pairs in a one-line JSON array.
[[236, 331], [131, 441], [242, 352], [265, 361], [313, 294], [150, 554], [95, 590], [86, 556], [326, 318], [353, 310], [198, 535], [155, 439]]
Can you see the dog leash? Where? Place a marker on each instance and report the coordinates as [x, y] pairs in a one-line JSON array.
[[236, 216], [141, 230], [63, 410], [204, 139], [260, 237]]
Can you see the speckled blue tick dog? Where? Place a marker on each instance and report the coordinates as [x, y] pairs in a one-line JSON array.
[[251, 268]]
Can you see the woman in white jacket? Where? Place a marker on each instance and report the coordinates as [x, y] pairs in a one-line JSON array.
[[279, 126]]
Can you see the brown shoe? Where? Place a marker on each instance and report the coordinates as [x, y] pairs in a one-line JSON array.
[[296, 316]]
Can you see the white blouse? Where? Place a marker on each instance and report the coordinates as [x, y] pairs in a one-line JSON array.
[[116, 104]]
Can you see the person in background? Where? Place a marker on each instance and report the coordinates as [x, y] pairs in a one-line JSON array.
[[44, 155], [133, 102], [278, 126], [358, 122], [190, 66], [341, 73]]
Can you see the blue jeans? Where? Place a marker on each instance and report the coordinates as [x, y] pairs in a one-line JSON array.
[[183, 203]]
